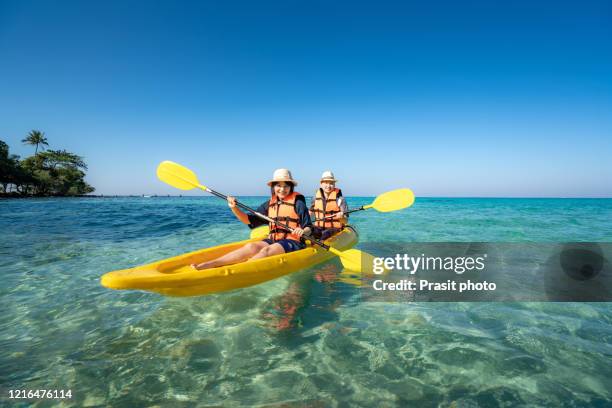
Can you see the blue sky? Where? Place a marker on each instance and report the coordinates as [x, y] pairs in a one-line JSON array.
[[447, 98]]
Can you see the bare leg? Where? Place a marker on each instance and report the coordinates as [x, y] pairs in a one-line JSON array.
[[274, 249], [238, 255]]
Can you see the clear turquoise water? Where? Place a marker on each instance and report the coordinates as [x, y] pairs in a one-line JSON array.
[[302, 340]]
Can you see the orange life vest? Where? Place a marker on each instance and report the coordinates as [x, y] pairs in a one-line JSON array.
[[283, 211], [325, 207]]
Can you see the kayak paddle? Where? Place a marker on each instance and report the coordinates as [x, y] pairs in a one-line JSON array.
[[387, 202], [182, 178]]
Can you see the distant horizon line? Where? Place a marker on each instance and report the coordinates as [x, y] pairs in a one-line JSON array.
[[348, 196]]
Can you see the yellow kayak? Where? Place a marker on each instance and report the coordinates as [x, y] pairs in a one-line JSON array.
[[175, 277]]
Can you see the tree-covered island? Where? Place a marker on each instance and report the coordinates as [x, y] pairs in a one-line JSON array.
[[46, 173]]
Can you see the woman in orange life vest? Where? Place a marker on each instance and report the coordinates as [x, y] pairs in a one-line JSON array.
[[286, 206], [328, 208]]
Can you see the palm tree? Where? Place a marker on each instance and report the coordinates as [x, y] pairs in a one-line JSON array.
[[36, 137]]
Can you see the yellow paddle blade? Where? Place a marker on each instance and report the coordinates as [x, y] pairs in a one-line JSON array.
[[367, 263], [393, 200], [260, 232], [356, 278], [177, 176], [351, 259], [355, 260]]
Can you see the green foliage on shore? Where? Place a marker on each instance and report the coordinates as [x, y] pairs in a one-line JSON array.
[[46, 173]]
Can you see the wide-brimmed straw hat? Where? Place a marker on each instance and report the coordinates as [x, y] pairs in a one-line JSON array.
[[328, 176], [282, 175]]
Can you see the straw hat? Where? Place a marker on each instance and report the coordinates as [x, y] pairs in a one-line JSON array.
[[282, 175], [328, 176]]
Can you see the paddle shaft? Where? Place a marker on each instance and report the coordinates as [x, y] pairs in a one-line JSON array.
[[389, 201], [348, 212], [263, 217]]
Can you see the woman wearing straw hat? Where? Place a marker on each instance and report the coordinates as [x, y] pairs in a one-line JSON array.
[[328, 207], [285, 205]]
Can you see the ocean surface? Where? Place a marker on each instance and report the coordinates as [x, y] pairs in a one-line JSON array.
[[307, 339]]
